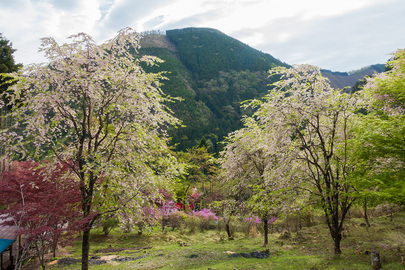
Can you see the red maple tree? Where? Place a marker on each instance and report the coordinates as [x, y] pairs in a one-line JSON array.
[[44, 204]]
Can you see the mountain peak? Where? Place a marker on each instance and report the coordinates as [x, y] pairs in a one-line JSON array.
[[206, 51]]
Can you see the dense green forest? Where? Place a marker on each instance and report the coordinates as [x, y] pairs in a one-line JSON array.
[[213, 73], [206, 52]]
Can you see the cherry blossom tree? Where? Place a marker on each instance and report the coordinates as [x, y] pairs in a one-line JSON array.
[[310, 126], [319, 121], [93, 108], [255, 165]]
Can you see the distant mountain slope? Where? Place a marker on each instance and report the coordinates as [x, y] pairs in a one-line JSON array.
[[206, 51], [213, 73], [348, 79]]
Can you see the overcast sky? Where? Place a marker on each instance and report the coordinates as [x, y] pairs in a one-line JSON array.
[[341, 35]]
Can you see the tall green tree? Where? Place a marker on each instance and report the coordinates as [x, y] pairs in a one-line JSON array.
[[7, 62], [7, 66], [93, 108], [380, 138]]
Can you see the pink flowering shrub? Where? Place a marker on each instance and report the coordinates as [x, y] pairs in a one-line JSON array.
[[174, 219], [204, 220], [149, 218], [253, 220], [205, 214], [167, 207], [170, 216], [194, 199]]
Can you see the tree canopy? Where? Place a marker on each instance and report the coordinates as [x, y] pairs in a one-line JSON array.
[[7, 62], [7, 66], [380, 133], [93, 108], [301, 131]]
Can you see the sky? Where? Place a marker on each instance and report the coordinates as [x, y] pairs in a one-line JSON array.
[[340, 35]]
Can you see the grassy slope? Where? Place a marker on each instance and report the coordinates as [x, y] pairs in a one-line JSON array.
[[310, 249]]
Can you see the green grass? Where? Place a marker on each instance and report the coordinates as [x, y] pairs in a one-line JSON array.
[[311, 248]]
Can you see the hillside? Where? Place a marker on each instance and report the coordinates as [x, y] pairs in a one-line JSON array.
[[206, 52], [212, 73], [348, 79]]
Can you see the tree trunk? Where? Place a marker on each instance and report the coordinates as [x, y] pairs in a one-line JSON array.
[[266, 232], [40, 254], [365, 213], [85, 249], [337, 238], [228, 228], [335, 230], [54, 250], [140, 229]]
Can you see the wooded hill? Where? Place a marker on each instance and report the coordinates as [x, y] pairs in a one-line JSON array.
[[213, 73]]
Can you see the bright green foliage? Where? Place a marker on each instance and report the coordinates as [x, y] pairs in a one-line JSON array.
[[380, 139], [201, 172], [7, 66]]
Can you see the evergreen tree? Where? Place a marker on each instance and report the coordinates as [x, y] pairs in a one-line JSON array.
[[7, 65]]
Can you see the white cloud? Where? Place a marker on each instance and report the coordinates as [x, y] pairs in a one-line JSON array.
[[37, 19], [322, 32]]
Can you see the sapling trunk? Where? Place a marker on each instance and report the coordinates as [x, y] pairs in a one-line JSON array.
[[85, 249], [228, 228], [365, 213], [266, 232]]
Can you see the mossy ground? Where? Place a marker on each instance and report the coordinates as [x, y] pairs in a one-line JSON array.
[[310, 248]]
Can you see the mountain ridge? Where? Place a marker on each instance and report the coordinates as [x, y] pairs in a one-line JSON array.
[[213, 73], [342, 80]]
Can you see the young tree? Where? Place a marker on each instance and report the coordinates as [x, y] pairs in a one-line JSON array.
[[200, 168], [93, 108], [255, 162], [229, 209], [44, 204], [314, 122]]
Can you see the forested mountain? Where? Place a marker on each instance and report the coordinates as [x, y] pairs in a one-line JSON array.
[[206, 52], [213, 73]]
